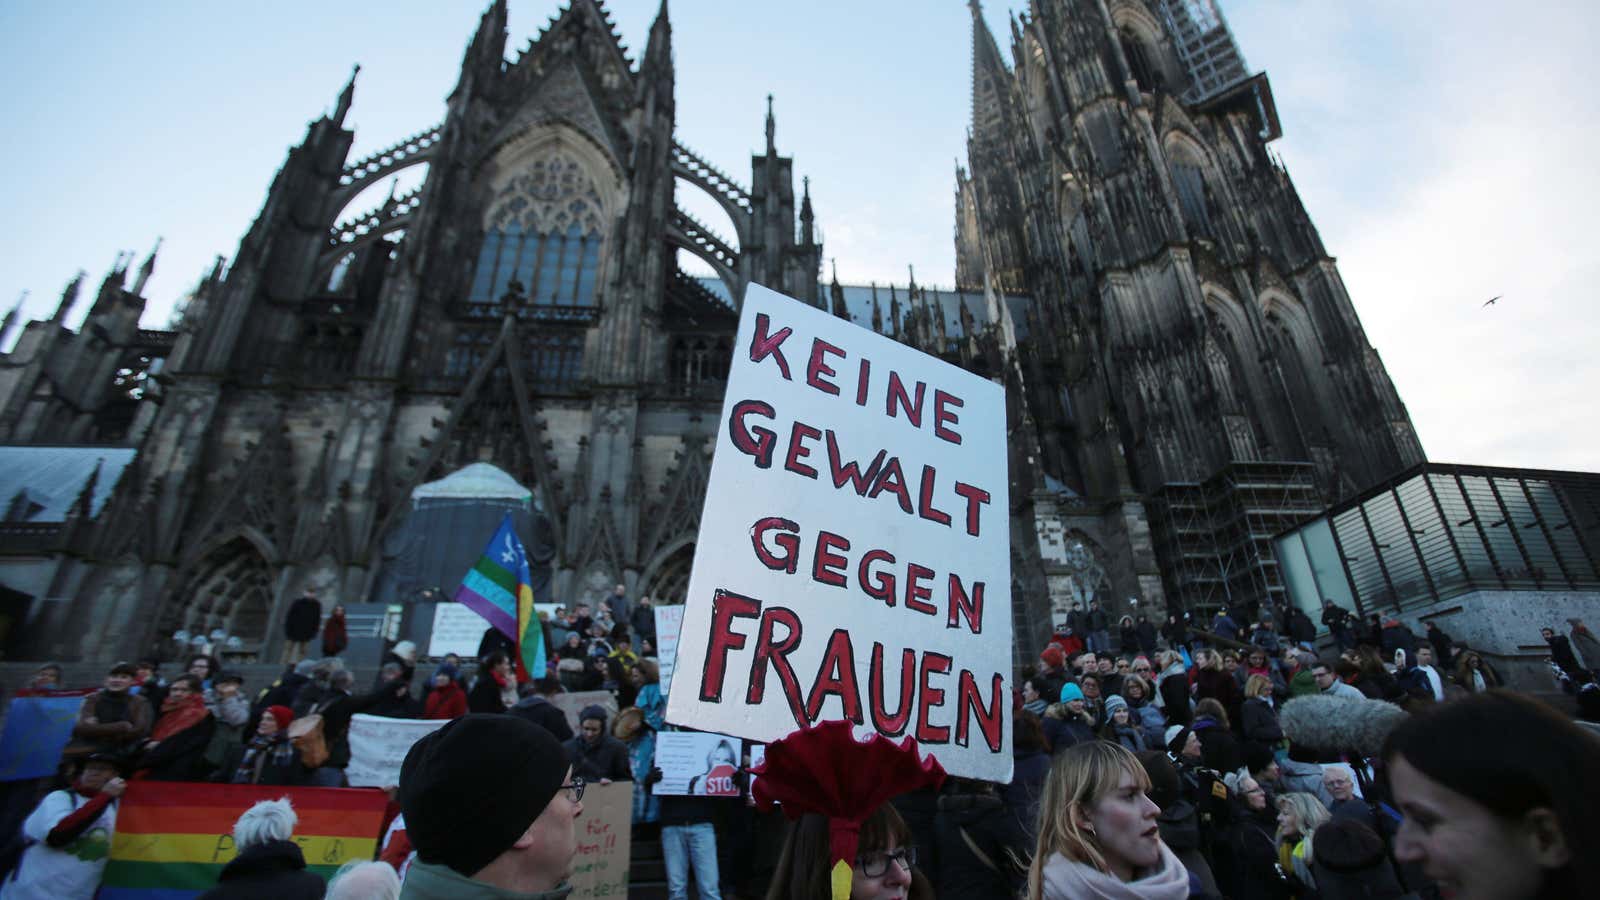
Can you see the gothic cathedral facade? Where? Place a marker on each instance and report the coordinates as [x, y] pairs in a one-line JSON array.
[[1132, 262]]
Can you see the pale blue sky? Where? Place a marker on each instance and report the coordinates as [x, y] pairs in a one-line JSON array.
[[1442, 148]]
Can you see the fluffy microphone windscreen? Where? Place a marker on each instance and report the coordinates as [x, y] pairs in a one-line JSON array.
[[1337, 724]]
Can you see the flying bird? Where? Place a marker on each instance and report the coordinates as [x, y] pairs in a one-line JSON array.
[[1491, 300]]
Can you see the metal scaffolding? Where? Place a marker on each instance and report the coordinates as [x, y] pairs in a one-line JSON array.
[[1205, 45], [1214, 538]]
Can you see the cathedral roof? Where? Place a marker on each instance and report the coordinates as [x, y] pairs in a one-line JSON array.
[[858, 302], [49, 480], [478, 481]]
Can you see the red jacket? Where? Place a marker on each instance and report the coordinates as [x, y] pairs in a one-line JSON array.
[[448, 702]]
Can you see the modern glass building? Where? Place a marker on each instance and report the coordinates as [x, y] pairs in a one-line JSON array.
[[1440, 531]]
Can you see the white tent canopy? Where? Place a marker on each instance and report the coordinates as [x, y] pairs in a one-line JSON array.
[[479, 481]]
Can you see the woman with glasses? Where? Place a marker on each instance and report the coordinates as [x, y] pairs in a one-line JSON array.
[[885, 865], [1098, 836]]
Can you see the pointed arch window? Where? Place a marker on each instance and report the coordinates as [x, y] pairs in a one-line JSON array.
[[1189, 180], [1140, 60], [545, 231]]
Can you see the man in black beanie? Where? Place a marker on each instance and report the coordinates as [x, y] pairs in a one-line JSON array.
[[489, 804]]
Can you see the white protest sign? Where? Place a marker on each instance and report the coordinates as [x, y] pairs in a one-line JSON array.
[[697, 763], [669, 621], [853, 560], [378, 746], [456, 629]]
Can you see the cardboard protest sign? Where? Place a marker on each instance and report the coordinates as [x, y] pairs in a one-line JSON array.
[[574, 702], [605, 832], [669, 621], [378, 745], [456, 629], [853, 560], [697, 763]]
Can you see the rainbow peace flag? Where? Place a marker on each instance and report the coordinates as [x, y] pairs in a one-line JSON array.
[[500, 588], [173, 838]]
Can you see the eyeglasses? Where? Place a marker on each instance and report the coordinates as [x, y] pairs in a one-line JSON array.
[[574, 789], [878, 863], [1141, 668], [1255, 790], [1122, 666]]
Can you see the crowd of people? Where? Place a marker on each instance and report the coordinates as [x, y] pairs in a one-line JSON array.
[[1151, 763]]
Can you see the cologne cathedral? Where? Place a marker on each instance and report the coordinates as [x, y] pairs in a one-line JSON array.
[[1186, 376]]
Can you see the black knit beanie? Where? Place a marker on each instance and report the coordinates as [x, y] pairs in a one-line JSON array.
[[472, 788]]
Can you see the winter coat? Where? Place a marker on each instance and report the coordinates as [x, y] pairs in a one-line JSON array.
[[1151, 723], [540, 711], [606, 759], [643, 620], [334, 636], [1174, 690], [485, 695], [1260, 722], [428, 881], [180, 757], [1301, 629], [1351, 865], [1268, 640], [1179, 825], [1128, 638], [1225, 627], [303, 620], [1129, 737], [1219, 686], [1063, 733], [1247, 856], [1218, 748], [121, 721], [283, 692], [1096, 620], [965, 821], [275, 870], [263, 762], [393, 700], [1561, 652], [448, 702], [1028, 772], [1147, 637], [1305, 778]]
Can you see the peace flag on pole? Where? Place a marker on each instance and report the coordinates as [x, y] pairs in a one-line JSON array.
[[500, 588]]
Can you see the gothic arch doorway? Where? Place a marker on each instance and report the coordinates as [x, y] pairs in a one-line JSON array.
[[230, 588], [668, 580]]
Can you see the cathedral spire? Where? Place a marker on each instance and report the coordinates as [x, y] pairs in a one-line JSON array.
[[346, 96], [658, 52], [772, 130], [69, 296], [11, 318], [877, 311], [807, 218], [836, 292], [988, 74], [146, 270]]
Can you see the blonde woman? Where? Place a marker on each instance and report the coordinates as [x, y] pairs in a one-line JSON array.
[[1299, 814], [1097, 832]]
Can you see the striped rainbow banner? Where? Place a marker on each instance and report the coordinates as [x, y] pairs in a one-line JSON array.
[[493, 587], [173, 838]]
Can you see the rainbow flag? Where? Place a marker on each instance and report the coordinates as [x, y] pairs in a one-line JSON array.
[[500, 588], [173, 838]]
